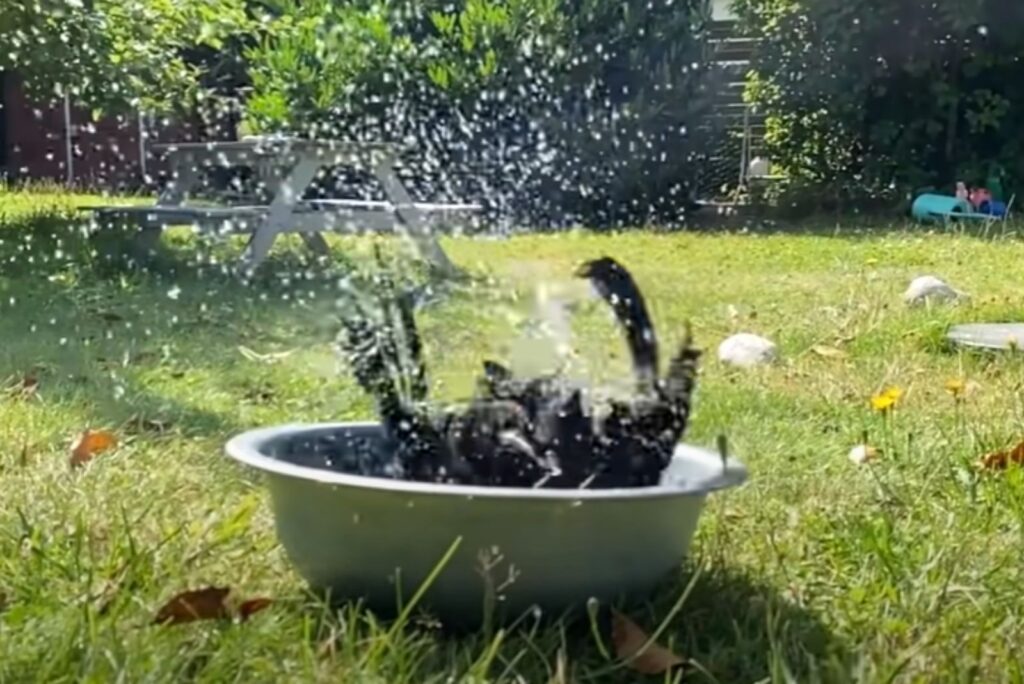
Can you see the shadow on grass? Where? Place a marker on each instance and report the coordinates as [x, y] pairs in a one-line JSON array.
[[167, 340], [162, 344], [115, 340], [736, 629], [730, 628]]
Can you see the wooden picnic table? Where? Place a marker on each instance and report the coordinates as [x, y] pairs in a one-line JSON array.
[[287, 166]]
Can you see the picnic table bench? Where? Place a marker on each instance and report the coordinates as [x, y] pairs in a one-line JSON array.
[[287, 167]]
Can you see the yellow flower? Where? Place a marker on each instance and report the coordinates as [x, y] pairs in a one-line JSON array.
[[885, 400], [956, 387]]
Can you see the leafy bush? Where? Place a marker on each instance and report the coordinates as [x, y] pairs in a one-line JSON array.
[[113, 54], [554, 110], [874, 96], [630, 106]]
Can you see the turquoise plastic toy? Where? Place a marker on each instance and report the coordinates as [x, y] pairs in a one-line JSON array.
[[930, 208]]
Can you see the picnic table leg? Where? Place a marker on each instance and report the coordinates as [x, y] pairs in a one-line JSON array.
[[181, 184], [416, 227], [174, 194], [147, 241], [288, 193], [316, 243]]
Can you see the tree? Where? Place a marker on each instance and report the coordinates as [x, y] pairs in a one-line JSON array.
[[558, 110], [867, 96], [113, 54]]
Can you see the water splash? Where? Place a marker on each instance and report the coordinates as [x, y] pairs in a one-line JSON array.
[[546, 344]]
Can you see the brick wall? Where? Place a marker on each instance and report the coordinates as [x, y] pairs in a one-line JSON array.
[[33, 145], [105, 153]]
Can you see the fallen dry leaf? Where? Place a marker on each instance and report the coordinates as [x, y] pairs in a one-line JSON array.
[[198, 604], [28, 386], [24, 387], [246, 609], [91, 443], [209, 603], [1001, 460], [628, 639], [828, 352]]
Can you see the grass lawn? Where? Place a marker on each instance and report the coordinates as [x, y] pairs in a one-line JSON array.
[[907, 569]]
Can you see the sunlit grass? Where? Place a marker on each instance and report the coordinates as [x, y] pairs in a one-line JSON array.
[[830, 570], [47, 198]]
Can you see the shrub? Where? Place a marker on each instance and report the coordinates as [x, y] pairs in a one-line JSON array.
[[882, 95], [556, 111]]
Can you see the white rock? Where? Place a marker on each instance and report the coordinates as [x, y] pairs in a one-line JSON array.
[[929, 290], [863, 453], [746, 349]]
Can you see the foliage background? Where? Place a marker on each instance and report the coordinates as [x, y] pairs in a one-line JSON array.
[[565, 111], [559, 111], [554, 111], [885, 97], [111, 55]]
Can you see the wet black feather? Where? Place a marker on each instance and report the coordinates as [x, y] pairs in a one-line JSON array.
[[523, 432]]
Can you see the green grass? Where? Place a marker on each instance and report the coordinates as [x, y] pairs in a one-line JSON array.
[[906, 570]]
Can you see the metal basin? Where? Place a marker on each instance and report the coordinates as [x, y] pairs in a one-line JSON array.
[[999, 336], [379, 539]]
